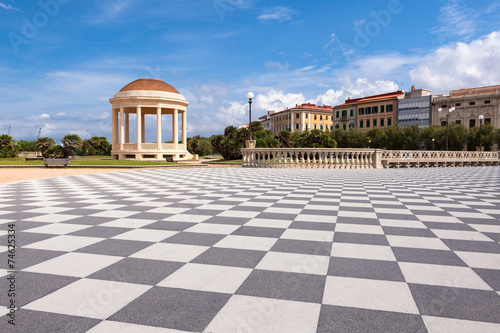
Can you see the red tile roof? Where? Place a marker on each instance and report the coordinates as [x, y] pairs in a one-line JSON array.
[[370, 99], [489, 90], [149, 84]]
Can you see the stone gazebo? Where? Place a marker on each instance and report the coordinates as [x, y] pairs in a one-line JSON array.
[[148, 97]]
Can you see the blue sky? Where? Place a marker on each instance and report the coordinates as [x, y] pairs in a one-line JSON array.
[[61, 60]]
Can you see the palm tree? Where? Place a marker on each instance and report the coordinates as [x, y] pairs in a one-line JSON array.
[[71, 143], [44, 143]]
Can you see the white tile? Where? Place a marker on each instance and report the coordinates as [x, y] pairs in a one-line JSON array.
[[212, 228], [48, 210], [362, 251], [471, 215], [385, 202], [369, 294], [255, 204], [394, 211], [219, 279], [97, 299], [104, 207], [283, 210], [486, 228], [425, 208], [437, 218], [215, 207], [441, 275], [264, 315], [238, 213], [246, 243], [367, 215], [74, 264], [309, 235], [416, 242], [460, 234], [146, 235], [331, 200], [115, 326], [127, 223], [170, 252], [359, 228], [316, 218], [356, 204], [58, 228], [451, 325], [268, 223], [114, 213], [293, 202], [295, 263], [480, 260], [64, 243], [189, 218], [52, 218], [402, 224], [490, 211], [167, 210], [196, 201], [332, 208]]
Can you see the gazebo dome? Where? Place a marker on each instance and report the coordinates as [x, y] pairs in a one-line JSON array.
[[149, 85]]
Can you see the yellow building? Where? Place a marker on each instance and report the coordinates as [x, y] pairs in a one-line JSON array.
[[301, 118]]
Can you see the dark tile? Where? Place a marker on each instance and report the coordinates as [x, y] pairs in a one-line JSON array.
[[302, 247], [249, 208], [18, 216], [357, 220], [259, 232], [178, 309], [354, 210], [102, 232], [313, 226], [490, 276], [401, 217], [25, 238], [478, 221], [228, 220], [230, 257], [416, 232], [343, 319], [153, 217], [493, 236], [348, 237], [90, 220], [472, 246], [365, 269], [82, 212], [276, 216], [459, 303], [26, 225], [32, 286], [115, 247], [25, 258], [284, 285], [427, 256], [194, 238], [44, 322], [448, 226], [168, 225], [140, 271]]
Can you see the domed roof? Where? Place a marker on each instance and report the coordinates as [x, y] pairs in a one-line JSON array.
[[151, 85]]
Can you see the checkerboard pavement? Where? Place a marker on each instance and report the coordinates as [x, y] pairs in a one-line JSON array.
[[256, 250]]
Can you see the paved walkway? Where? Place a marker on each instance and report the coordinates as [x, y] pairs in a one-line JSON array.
[[255, 250]]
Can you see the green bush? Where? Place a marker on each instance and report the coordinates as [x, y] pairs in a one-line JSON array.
[[23, 145], [7, 146], [42, 144]]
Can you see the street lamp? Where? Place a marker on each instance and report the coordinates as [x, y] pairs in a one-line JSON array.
[[369, 142], [250, 96], [481, 117], [432, 144], [450, 110]]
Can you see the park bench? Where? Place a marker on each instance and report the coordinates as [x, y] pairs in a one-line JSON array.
[[170, 159], [56, 161]]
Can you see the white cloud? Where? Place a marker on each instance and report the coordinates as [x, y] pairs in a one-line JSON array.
[[460, 65], [232, 114], [279, 13], [110, 11], [456, 20], [8, 7], [276, 65]]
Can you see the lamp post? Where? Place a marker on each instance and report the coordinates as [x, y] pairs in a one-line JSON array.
[[369, 143], [432, 144], [450, 110], [481, 117], [250, 96]]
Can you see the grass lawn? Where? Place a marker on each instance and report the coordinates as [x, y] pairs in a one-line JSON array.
[[86, 160], [227, 161]]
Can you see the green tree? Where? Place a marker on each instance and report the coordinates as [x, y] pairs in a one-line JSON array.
[[204, 147], [42, 144], [395, 139], [487, 137], [411, 137], [354, 139], [55, 151], [96, 145], [377, 136], [71, 143], [25, 145], [433, 132], [316, 139], [7, 146], [284, 138], [457, 137]]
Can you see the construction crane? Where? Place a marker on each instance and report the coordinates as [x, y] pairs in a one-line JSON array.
[[39, 132]]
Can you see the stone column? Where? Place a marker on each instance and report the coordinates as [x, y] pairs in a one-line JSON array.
[[114, 124], [292, 127], [127, 127], [175, 129], [139, 127], [143, 128], [122, 127], [158, 128], [309, 121], [184, 129], [303, 121]]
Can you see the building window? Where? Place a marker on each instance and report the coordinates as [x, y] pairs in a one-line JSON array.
[[320, 117], [487, 102], [389, 121], [367, 123], [361, 124], [458, 104], [487, 120], [315, 117], [382, 122], [389, 108], [337, 126], [375, 110], [315, 126], [368, 110], [307, 126], [326, 118], [337, 114], [361, 111], [344, 114], [307, 115], [331, 127], [344, 127], [321, 127], [443, 123], [297, 116], [374, 122], [458, 122], [297, 126], [351, 125], [444, 106], [472, 103], [382, 108], [351, 113], [472, 123]]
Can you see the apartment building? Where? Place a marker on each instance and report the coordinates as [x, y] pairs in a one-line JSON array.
[[377, 110], [345, 115], [415, 108], [301, 118]]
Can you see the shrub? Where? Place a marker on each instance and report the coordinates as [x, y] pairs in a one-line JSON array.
[[7, 146]]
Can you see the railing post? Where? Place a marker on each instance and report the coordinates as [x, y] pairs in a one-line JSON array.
[[377, 159]]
